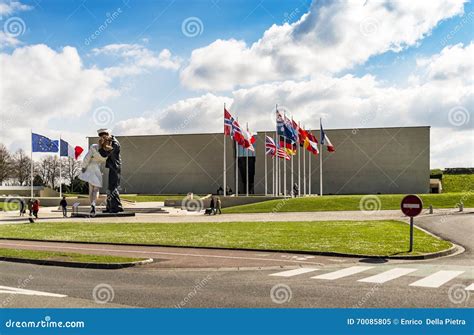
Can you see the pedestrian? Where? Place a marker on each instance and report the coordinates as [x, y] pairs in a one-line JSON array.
[[30, 206], [295, 190], [35, 208], [213, 206], [22, 207], [218, 205], [63, 204]]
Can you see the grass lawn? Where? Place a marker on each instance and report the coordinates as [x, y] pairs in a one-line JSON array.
[[155, 197], [354, 237], [458, 182], [10, 207], [349, 203], [65, 256]]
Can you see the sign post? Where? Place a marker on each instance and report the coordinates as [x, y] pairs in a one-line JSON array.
[[411, 206]]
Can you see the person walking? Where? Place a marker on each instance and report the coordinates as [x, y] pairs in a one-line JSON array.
[[22, 207], [63, 204], [30, 206], [295, 190], [218, 205], [35, 208], [213, 206]]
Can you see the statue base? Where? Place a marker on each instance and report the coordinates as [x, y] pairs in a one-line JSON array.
[[101, 215]]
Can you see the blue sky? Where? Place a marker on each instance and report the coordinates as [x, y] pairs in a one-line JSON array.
[[143, 70]]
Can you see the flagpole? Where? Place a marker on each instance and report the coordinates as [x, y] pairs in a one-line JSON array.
[[310, 172], [247, 167], [225, 167], [236, 167], [304, 171], [298, 149], [292, 178], [60, 170], [320, 158], [265, 137], [277, 163], [31, 165], [273, 175]]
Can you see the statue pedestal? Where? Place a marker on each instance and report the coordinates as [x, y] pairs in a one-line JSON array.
[[101, 215]]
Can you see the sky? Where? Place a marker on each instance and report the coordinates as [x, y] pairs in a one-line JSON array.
[[70, 67]]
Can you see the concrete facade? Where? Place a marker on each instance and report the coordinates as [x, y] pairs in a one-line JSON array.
[[366, 161]]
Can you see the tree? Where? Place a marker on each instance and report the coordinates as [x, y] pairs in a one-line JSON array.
[[21, 167], [5, 163], [71, 171], [48, 169]]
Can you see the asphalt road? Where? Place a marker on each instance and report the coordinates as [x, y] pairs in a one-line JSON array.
[[255, 279]]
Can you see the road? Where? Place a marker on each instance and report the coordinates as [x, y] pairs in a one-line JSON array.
[[212, 278]]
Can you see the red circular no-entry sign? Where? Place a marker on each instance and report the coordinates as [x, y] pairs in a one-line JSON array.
[[411, 205]]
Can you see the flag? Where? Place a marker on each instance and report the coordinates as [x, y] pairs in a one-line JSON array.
[[285, 127], [78, 151], [249, 140], [325, 140], [228, 120], [40, 143], [311, 143], [302, 134], [270, 147], [66, 150], [290, 147], [281, 153]]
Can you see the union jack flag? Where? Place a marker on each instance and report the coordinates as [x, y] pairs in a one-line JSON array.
[[270, 147]]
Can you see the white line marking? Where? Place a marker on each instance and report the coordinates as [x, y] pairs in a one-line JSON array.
[[387, 275], [411, 206], [343, 273], [156, 252], [470, 288], [16, 290], [291, 273], [437, 279]]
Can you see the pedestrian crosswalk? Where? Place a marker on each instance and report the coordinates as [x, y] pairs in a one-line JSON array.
[[435, 279]]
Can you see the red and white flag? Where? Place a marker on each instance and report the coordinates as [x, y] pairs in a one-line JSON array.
[[325, 140]]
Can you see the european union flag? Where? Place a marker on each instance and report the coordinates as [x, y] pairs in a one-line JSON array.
[[41, 143]]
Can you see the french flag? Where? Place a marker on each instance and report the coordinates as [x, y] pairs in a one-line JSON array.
[[66, 150], [325, 140]]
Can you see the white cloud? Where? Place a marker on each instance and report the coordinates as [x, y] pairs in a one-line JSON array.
[[8, 40], [136, 59], [332, 36], [345, 102], [8, 8], [39, 84]]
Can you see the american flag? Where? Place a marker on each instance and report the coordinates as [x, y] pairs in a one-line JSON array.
[[270, 147], [281, 153]]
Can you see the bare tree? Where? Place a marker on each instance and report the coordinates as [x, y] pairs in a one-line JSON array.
[[5, 163], [72, 168], [48, 169], [21, 167]]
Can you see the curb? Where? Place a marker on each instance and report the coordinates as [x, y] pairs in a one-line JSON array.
[[108, 266], [443, 253]]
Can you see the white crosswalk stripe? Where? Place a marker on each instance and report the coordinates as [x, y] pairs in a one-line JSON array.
[[437, 279], [470, 287], [295, 272], [343, 273], [387, 275]]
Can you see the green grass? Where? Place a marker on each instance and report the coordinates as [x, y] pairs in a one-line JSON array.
[[154, 197], [458, 183], [10, 207], [349, 203], [379, 238], [64, 256]]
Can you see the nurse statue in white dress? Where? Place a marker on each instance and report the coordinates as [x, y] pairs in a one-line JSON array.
[[91, 172]]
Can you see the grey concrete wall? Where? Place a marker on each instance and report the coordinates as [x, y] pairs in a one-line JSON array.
[[366, 161]]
